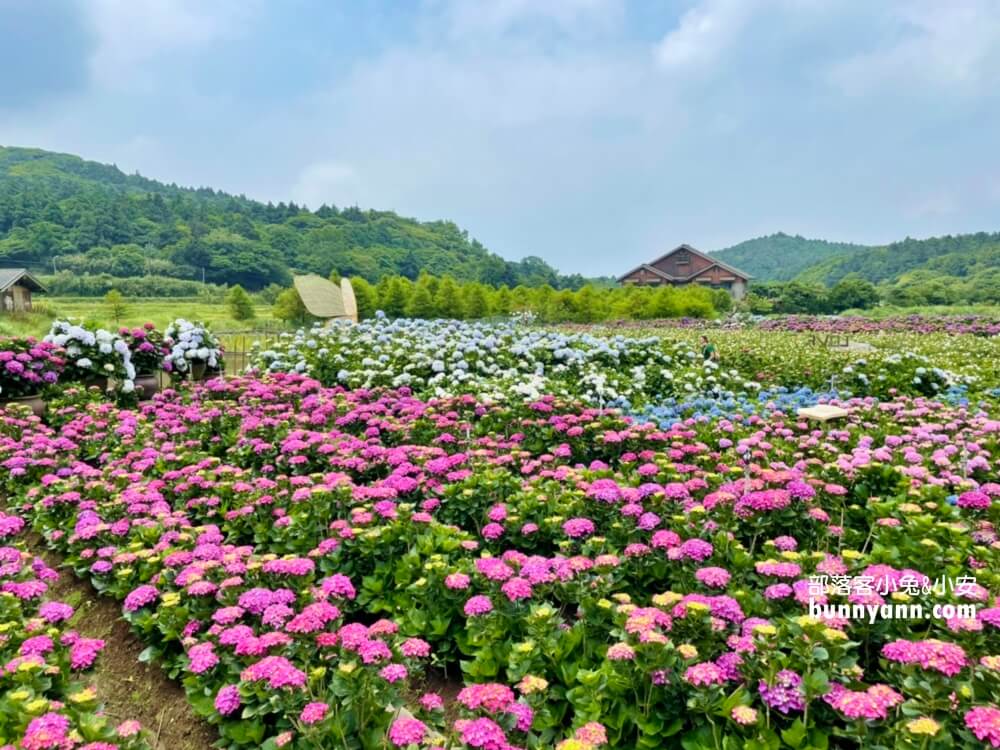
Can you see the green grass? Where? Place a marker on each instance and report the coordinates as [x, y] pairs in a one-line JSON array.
[[893, 311], [157, 310]]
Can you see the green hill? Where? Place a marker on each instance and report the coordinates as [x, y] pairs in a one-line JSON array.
[[960, 255], [781, 257], [62, 214]]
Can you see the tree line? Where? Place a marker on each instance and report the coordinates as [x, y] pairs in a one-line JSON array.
[[432, 297]]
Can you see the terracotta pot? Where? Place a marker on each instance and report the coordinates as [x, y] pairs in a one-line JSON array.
[[35, 402], [198, 371], [147, 384]]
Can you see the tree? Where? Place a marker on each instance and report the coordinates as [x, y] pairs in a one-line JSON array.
[[393, 301], [115, 303], [239, 303], [420, 304], [853, 292], [474, 302], [447, 301], [288, 307], [364, 295]]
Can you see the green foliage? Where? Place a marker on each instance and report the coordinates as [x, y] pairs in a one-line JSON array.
[[60, 213], [782, 257], [853, 292], [115, 303], [68, 284], [431, 297], [288, 307], [239, 303], [366, 297]]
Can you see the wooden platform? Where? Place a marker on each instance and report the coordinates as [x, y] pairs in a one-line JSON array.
[[823, 412]]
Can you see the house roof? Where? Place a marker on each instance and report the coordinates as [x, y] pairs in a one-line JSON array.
[[11, 276], [650, 266], [321, 297]]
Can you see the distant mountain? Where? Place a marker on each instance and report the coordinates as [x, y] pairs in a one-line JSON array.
[[962, 255], [79, 217], [782, 257]]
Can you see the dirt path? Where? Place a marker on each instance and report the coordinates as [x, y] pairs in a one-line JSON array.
[[129, 689]]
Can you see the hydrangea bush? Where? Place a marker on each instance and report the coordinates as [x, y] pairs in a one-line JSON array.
[[188, 344], [27, 366], [637, 368], [45, 700], [335, 568], [91, 354]]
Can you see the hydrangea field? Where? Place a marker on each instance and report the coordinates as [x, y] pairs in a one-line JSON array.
[[429, 535]]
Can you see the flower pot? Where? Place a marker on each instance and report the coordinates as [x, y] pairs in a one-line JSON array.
[[96, 381], [35, 402], [198, 371], [147, 384]]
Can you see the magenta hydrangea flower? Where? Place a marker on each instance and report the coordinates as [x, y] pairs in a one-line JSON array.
[[947, 658], [407, 731], [227, 700], [478, 605], [704, 674], [393, 673], [140, 597], [873, 703], [313, 713], [713, 577], [984, 722], [47, 732], [578, 527]]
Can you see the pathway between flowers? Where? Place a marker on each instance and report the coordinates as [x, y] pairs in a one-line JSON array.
[[129, 688]]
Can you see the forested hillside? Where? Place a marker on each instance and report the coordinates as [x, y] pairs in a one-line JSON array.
[[959, 255], [74, 218], [781, 257]]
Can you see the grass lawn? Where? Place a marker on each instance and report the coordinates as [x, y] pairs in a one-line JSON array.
[[158, 310]]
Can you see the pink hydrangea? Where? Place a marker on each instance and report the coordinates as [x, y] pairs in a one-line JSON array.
[[704, 674], [227, 700], [713, 577], [947, 658], [313, 713], [478, 605], [984, 722], [407, 731]]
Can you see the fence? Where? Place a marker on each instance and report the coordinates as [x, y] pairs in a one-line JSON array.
[[238, 345]]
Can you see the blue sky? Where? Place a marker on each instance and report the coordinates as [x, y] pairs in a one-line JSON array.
[[593, 133]]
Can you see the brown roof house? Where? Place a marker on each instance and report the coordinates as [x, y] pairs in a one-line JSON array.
[[16, 286], [686, 265]]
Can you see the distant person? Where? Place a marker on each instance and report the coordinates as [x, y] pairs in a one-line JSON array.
[[708, 350]]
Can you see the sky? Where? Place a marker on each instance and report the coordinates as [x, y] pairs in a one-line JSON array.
[[595, 134]]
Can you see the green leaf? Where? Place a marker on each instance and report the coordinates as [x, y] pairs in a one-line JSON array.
[[795, 734]]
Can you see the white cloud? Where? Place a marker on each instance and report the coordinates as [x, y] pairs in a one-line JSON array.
[[704, 33], [330, 182], [952, 46], [131, 33]]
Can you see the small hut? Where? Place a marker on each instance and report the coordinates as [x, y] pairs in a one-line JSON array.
[[325, 300], [16, 286]]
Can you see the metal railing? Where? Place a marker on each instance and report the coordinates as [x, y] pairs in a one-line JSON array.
[[239, 345]]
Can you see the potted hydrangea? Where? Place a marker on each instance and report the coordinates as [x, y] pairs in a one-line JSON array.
[[193, 349], [26, 367], [148, 351], [93, 357]]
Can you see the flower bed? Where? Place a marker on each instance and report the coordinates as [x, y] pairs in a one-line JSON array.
[[45, 701], [309, 561], [648, 367]]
